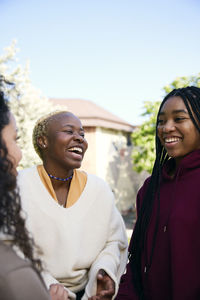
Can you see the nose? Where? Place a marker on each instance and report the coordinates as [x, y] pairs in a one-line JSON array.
[[78, 137], [168, 126]]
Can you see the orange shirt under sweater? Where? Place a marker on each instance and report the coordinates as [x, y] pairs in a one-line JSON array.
[[77, 185]]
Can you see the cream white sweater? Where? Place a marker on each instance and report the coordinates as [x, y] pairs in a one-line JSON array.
[[77, 241]]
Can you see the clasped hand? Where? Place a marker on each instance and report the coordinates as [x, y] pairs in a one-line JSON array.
[[58, 292], [105, 287]]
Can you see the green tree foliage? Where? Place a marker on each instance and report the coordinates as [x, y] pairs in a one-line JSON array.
[[181, 82], [143, 137], [26, 102]]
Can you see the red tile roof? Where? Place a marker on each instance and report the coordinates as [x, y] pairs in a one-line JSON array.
[[92, 115]]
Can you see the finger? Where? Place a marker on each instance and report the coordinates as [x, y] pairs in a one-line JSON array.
[[60, 291], [109, 282], [65, 295], [106, 293], [101, 274], [53, 288]]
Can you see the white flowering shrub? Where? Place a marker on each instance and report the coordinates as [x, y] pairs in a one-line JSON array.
[[26, 102]]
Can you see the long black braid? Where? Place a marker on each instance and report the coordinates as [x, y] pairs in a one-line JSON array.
[[191, 97], [11, 220]]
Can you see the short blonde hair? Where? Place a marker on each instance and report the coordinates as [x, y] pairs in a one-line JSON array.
[[41, 127]]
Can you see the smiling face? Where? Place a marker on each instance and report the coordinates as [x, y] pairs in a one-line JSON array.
[[9, 136], [64, 145], [176, 131]]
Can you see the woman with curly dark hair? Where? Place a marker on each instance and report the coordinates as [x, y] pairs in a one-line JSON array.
[[20, 277]]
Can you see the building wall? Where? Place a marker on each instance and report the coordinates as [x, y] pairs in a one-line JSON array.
[[114, 165], [90, 158], [108, 143], [109, 157]]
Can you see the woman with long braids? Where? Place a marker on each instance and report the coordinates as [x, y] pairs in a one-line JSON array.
[[20, 277], [164, 260], [72, 214]]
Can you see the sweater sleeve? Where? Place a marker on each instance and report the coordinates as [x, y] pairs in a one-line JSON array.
[[49, 279], [113, 257]]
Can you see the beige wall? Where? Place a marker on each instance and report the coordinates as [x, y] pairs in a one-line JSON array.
[[89, 161], [109, 157], [106, 143]]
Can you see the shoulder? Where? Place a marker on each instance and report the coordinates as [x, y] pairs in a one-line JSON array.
[[99, 191], [99, 182], [142, 192], [145, 185], [9, 260], [27, 171], [25, 175], [18, 279], [93, 177]]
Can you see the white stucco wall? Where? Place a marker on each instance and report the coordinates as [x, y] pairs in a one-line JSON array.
[[114, 165], [109, 157], [107, 141]]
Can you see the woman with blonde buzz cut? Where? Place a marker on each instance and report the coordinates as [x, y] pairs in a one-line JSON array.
[[72, 214]]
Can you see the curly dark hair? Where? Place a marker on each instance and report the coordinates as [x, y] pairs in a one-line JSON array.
[[191, 98], [11, 221]]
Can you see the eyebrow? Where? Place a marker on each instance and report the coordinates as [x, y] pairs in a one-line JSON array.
[[176, 112], [69, 125]]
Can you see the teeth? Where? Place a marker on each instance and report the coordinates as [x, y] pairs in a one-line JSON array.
[[171, 140], [76, 149]]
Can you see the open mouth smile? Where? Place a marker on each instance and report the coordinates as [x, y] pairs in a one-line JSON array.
[[76, 153], [76, 150], [171, 140]]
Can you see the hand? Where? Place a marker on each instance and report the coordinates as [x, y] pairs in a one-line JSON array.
[[58, 292], [105, 287]]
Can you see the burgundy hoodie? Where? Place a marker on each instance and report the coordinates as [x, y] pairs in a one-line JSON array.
[[175, 270]]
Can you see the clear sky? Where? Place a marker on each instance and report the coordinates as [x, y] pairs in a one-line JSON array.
[[116, 53]]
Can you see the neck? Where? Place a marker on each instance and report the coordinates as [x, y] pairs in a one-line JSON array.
[[60, 179], [58, 172], [60, 185]]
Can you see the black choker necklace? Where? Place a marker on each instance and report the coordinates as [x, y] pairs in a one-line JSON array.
[[61, 179]]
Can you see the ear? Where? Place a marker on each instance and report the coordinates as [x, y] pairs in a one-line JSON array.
[[42, 142]]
